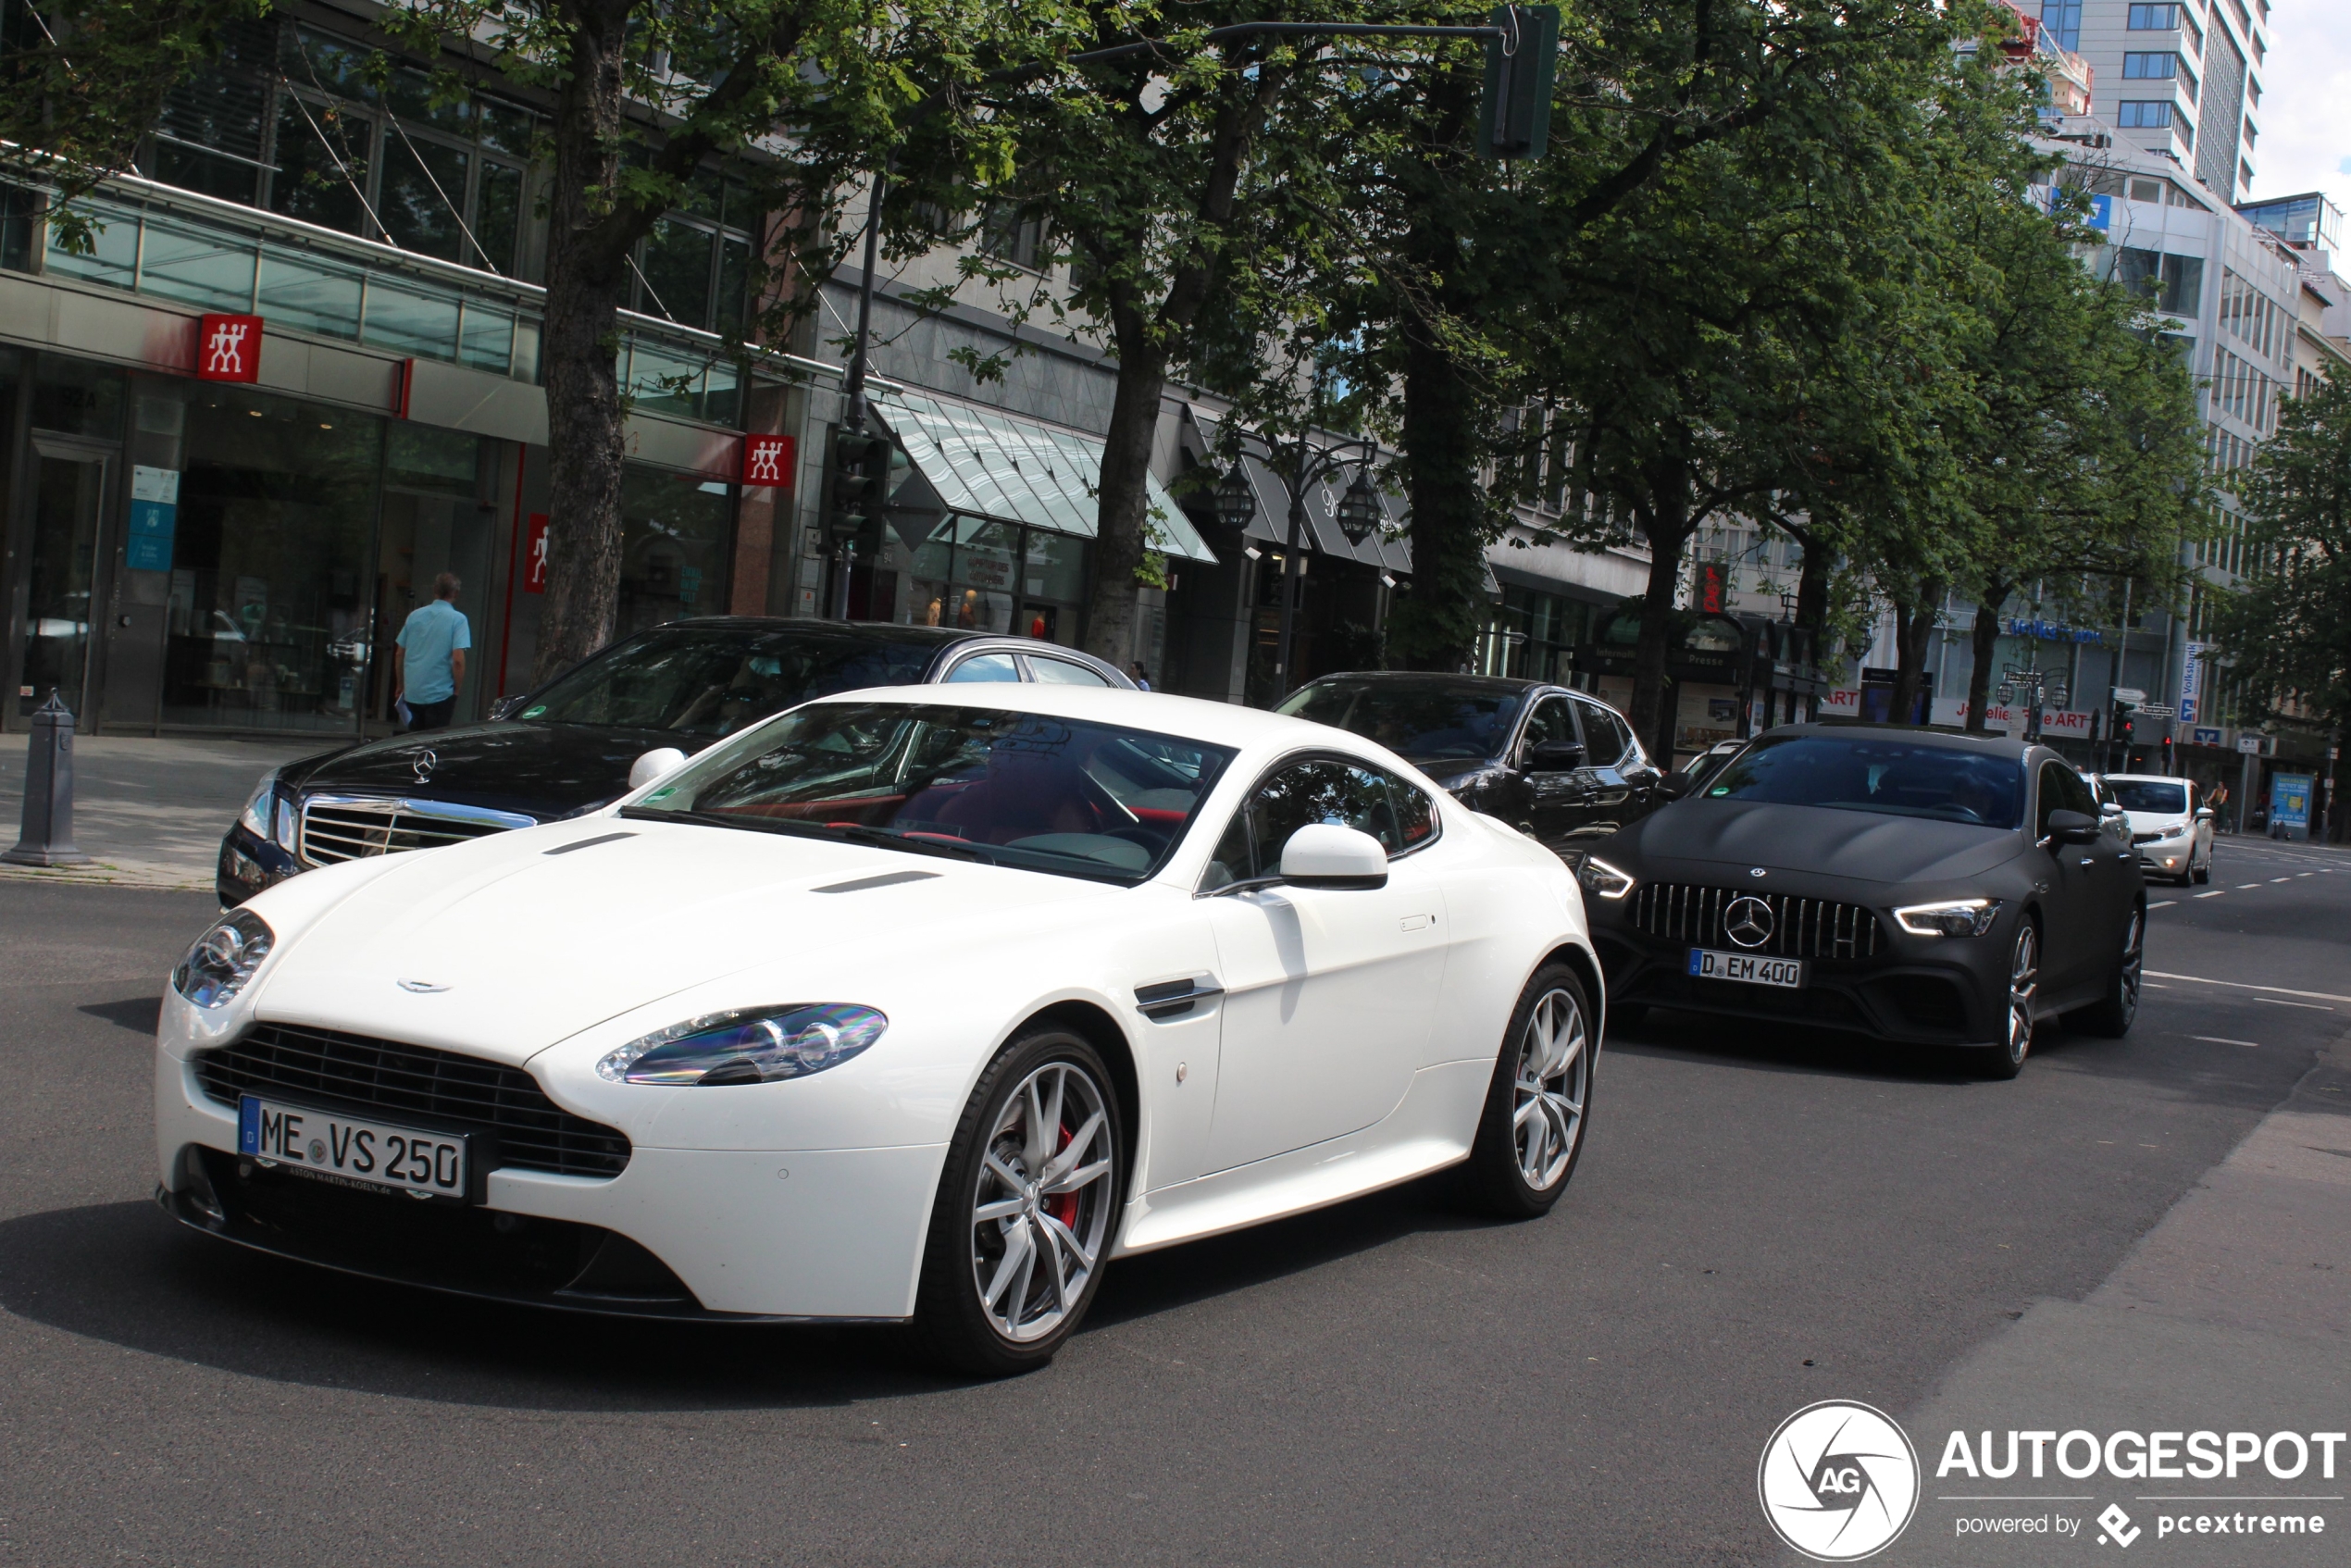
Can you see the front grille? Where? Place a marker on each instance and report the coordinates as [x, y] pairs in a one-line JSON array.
[[345, 829], [1800, 928], [533, 1131]]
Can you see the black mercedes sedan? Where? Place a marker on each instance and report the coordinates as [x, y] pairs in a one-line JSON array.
[[570, 746], [1920, 886], [1559, 767]]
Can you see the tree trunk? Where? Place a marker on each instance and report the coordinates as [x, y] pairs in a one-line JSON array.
[[1812, 593], [1667, 523], [1440, 609], [1981, 642], [578, 350], [1913, 625], [1126, 461]]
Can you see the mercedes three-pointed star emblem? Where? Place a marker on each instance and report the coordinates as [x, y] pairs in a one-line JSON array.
[[1748, 921], [421, 762]]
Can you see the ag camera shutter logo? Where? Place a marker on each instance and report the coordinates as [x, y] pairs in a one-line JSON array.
[[1838, 1481]]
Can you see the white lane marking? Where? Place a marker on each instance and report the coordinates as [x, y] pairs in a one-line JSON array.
[[2306, 874], [2242, 986], [2216, 1039], [2242, 886], [2213, 894], [2280, 1001], [2285, 878], [2163, 903]]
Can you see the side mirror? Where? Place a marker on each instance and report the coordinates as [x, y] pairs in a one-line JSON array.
[[653, 764], [2110, 808], [507, 707], [1673, 786], [1554, 756], [2071, 827], [2204, 814], [1322, 854]]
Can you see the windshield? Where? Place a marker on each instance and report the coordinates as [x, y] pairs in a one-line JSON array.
[[1870, 773], [2163, 800], [1436, 718], [1049, 794], [715, 680]]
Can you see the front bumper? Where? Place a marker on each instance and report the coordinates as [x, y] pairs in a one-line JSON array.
[[832, 1235], [2167, 857], [248, 863], [1958, 996]]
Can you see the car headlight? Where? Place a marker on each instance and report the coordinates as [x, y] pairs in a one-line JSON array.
[[1601, 880], [2177, 830], [223, 958], [748, 1045], [254, 818], [1954, 917]]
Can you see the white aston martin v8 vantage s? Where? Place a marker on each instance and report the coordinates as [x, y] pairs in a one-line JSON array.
[[918, 1004]]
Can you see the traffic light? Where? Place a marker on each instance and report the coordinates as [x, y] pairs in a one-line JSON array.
[[857, 468], [1514, 116], [2124, 723]]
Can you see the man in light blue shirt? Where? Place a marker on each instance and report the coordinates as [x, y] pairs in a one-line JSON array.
[[428, 657]]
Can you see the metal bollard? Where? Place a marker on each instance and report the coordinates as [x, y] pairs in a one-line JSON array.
[[49, 792]]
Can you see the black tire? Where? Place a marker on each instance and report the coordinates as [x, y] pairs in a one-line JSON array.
[[1497, 1179], [2199, 875], [2005, 1059], [956, 1325], [2113, 1014]]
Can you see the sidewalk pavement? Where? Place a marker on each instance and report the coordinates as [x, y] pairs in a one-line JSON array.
[[2232, 1314], [147, 812]]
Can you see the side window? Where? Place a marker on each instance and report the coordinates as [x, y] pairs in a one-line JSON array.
[[1322, 790], [1607, 737], [1063, 672], [2053, 778], [2077, 793], [1551, 720], [986, 666]]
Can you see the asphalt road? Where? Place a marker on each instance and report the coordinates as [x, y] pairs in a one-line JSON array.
[[1760, 1220]]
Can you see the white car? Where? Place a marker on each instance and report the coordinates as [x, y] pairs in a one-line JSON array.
[[2171, 826], [914, 1004]]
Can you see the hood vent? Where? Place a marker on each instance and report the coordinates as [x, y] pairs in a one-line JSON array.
[[889, 879]]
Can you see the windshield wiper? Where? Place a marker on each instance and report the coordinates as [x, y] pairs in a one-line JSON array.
[[879, 838]]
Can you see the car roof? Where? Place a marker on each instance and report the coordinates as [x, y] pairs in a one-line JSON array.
[[1187, 718], [1937, 735], [1495, 683], [2147, 777], [862, 632]]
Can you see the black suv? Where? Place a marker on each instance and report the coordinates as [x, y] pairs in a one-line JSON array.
[[568, 747], [1559, 766]]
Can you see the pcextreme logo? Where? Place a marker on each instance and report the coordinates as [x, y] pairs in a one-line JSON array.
[[1838, 1481]]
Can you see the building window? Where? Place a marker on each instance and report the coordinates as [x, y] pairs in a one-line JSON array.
[[1005, 235], [695, 266], [2063, 18], [2142, 116], [2149, 66], [2154, 18], [2171, 283]]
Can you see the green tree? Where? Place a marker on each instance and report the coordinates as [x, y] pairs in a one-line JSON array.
[[2288, 626]]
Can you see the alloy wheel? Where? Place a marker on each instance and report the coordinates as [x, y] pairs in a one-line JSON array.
[[2024, 985], [2133, 967], [1041, 1208], [1554, 1069]]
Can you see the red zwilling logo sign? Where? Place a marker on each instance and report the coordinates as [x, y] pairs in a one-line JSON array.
[[768, 460], [534, 554], [228, 348]]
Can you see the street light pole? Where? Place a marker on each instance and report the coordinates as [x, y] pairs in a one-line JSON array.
[[853, 385], [1297, 464]]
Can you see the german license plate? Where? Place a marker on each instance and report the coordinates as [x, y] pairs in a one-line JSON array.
[[352, 1152], [1746, 969]]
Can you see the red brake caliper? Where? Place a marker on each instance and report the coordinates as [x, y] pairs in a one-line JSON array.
[[1063, 1206]]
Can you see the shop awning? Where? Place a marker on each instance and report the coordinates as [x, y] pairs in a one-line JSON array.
[[985, 463]]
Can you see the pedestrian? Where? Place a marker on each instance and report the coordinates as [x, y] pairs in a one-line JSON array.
[[428, 657], [2218, 802], [1142, 681]]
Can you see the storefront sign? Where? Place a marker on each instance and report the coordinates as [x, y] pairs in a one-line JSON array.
[[768, 460], [2050, 631], [155, 515], [2191, 682], [534, 553], [2290, 800], [2205, 736], [228, 348]]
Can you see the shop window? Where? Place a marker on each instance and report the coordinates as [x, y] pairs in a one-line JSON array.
[[75, 398], [674, 533], [267, 625]]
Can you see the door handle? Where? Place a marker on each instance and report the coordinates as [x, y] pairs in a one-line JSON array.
[[1416, 922]]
